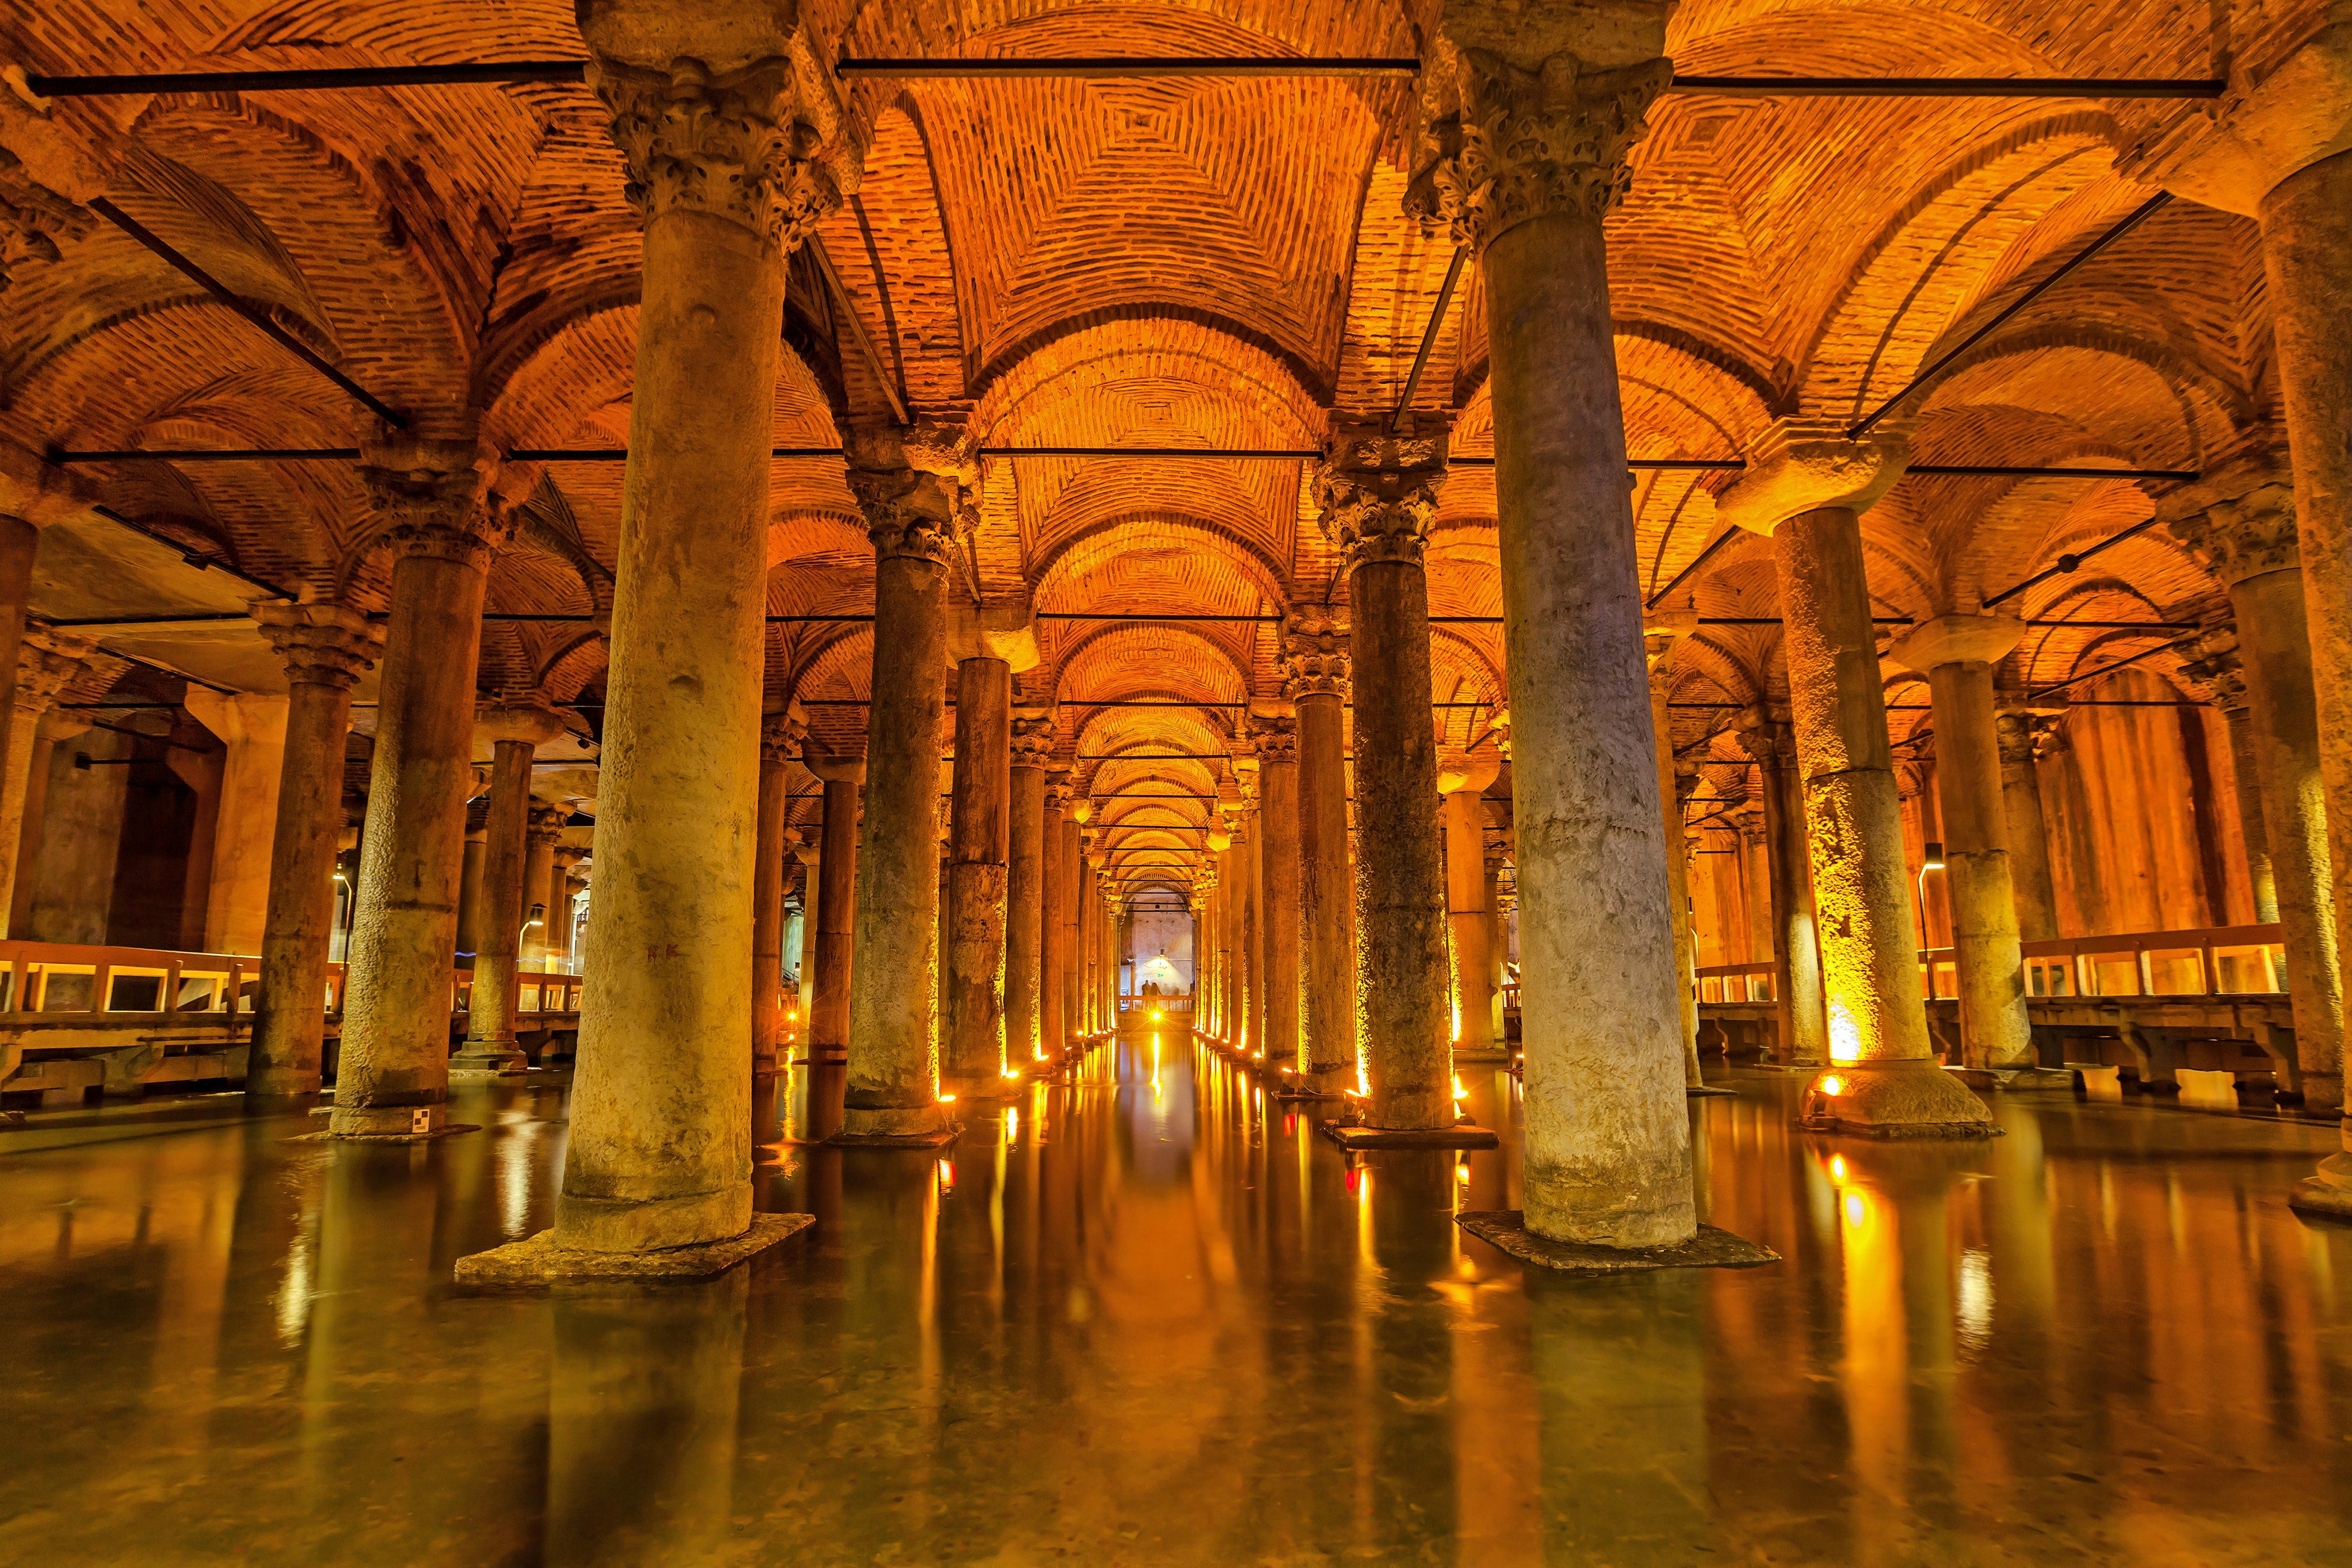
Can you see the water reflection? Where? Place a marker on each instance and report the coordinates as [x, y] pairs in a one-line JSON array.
[[1145, 1314]]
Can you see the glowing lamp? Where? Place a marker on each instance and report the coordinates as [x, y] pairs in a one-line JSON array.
[[1832, 1085], [947, 1099], [1934, 859]]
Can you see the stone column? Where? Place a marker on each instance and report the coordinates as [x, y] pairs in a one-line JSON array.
[[253, 726], [2019, 735], [1497, 950], [1074, 996], [979, 852], [1249, 846], [808, 851], [1462, 780], [513, 733], [1379, 493], [1671, 794], [780, 735], [1024, 887], [1053, 926], [1315, 672], [834, 962], [1957, 653], [1755, 877], [893, 1064], [325, 649], [1278, 825], [2240, 521], [542, 827], [391, 1073], [45, 661], [1204, 901], [469, 879], [1805, 488], [1545, 111], [731, 143], [20, 540], [562, 886]]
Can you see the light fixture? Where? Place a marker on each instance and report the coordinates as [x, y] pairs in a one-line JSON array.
[[1831, 1085]]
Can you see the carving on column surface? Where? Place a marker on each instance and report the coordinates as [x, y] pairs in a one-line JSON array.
[[545, 824], [1033, 739], [1769, 738], [907, 512], [434, 497], [1500, 144], [45, 178], [1058, 791], [2239, 522], [782, 734], [1277, 738], [762, 147], [1379, 490], [1313, 658], [2215, 676], [1802, 465], [50, 659], [319, 644]]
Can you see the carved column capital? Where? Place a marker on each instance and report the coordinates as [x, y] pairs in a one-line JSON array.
[[762, 146], [1379, 492], [434, 497], [2215, 673], [1033, 736], [319, 644], [2239, 523], [1313, 658], [49, 659], [545, 823], [1769, 738], [1501, 143], [909, 514], [1278, 740], [45, 176], [781, 735]]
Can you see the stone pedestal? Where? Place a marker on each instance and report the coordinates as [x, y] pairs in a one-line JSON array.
[[325, 649], [393, 1067], [1315, 670], [893, 1090], [513, 735], [780, 735], [1551, 104], [1026, 876], [732, 165], [253, 726], [1804, 489], [973, 1062], [1379, 493], [1957, 653]]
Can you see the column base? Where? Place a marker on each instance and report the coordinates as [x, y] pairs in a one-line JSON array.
[[2042, 1080], [1461, 1135], [897, 1127], [2319, 1091], [1505, 1230], [985, 1086], [1897, 1100], [2327, 1194], [1483, 1055], [1326, 1083], [542, 1260], [486, 1060], [390, 1123]]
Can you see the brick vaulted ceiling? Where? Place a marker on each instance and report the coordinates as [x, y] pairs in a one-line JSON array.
[[1164, 263]]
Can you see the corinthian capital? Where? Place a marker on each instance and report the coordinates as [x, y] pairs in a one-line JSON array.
[[45, 178], [762, 144], [1278, 740], [1379, 489], [319, 644], [2239, 521], [2216, 674], [1033, 736], [434, 498], [782, 734], [49, 659], [1313, 658]]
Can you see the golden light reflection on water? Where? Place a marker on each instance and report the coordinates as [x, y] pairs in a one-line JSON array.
[[1102, 1349]]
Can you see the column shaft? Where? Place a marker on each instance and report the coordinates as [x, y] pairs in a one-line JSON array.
[[489, 1020], [2261, 882], [1325, 895], [2029, 831], [979, 850], [1052, 933], [836, 915], [1466, 919], [767, 860], [19, 542], [1995, 1032], [1025, 909], [1796, 935], [1278, 833], [1678, 897], [1253, 853]]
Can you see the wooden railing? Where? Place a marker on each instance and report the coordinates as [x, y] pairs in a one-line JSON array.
[[2214, 961]]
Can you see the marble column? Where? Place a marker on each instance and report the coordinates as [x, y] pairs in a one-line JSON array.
[[1277, 750], [732, 158], [808, 850], [1074, 827], [1250, 847], [1806, 487], [469, 879], [513, 733], [2020, 734], [252, 724], [1671, 794], [833, 965], [1314, 674], [543, 826], [19, 542], [392, 1072], [979, 833], [893, 1060], [1462, 780], [780, 735], [1204, 901], [45, 661], [562, 885], [1053, 926], [324, 648], [1379, 492], [2240, 522], [1556, 99], [1032, 744], [1756, 876], [1957, 653]]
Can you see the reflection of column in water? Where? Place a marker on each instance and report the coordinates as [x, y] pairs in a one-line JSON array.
[[1620, 1400], [642, 1412], [1404, 1387]]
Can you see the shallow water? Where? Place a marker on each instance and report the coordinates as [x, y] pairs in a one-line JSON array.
[[1148, 1316]]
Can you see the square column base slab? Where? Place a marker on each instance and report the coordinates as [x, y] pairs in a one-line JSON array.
[[446, 1130], [940, 1140], [2045, 1081], [539, 1261], [1700, 1091], [1485, 1057], [1505, 1230], [1461, 1135]]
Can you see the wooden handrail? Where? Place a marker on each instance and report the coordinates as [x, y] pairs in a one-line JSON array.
[[2139, 946], [21, 960]]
